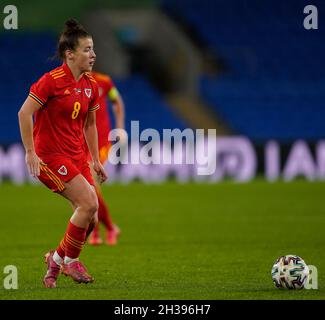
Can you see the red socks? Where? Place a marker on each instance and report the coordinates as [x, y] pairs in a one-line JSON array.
[[61, 249], [103, 213], [92, 226], [71, 244]]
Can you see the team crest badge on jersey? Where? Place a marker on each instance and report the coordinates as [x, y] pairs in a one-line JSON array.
[[88, 92], [63, 171]]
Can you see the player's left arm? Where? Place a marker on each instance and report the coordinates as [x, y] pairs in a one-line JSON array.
[[118, 111], [91, 137]]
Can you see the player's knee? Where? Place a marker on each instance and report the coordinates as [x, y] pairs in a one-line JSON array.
[[95, 219], [90, 205], [95, 205]]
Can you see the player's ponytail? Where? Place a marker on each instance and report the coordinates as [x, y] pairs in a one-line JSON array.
[[69, 38]]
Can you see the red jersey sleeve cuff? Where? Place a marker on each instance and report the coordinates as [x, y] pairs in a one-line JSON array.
[[94, 108], [37, 99]]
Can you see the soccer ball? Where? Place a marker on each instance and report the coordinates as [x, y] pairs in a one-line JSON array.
[[290, 272]]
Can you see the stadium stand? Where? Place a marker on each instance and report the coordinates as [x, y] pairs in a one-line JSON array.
[[145, 104], [25, 58], [273, 86]]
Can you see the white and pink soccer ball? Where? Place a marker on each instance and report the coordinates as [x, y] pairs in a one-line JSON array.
[[290, 272]]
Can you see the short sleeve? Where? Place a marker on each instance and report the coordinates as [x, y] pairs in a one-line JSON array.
[[94, 103], [41, 90]]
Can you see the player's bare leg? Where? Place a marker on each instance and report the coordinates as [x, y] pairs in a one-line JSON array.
[[83, 198]]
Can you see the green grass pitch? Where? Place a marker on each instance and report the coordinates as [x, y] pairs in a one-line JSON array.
[[178, 241]]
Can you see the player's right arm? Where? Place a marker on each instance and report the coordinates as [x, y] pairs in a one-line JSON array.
[[39, 93], [25, 116]]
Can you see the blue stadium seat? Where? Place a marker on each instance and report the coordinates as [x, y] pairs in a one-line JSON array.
[[274, 84], [144, 104]]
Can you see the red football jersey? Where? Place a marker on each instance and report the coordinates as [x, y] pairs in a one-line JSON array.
[[64, 106], [106, 90]]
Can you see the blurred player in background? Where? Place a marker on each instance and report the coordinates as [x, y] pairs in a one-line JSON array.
[[108, 90], [63, 102]]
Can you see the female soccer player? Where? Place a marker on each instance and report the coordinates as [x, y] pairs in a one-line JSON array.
[[107, 89], [63, 102]]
